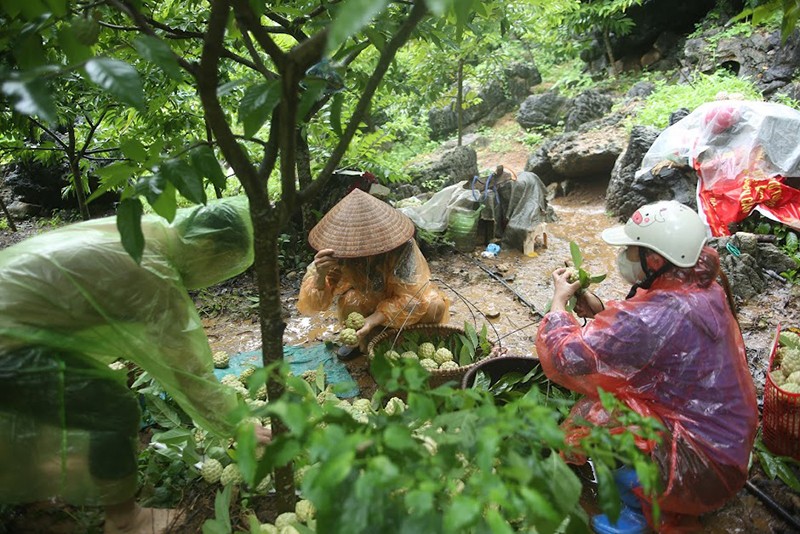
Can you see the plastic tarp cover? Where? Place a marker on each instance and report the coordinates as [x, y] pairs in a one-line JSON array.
[[743, 152], [300, 359], [75, 295], [526, 208], [434, 214], [524, 205], [673, 352], [397, 283]]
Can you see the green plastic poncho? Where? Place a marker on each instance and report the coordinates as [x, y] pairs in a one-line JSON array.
[[72, 301]]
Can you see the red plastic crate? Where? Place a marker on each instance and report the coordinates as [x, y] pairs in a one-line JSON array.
[[781, 412]]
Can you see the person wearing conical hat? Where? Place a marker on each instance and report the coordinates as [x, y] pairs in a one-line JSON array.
[[368, 262]]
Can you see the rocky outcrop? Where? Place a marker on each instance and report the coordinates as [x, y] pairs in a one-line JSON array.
[[445, 168], [548, 109], [587, 107], [583, 155], [759, 57], [496, 98], [747, 262], [630, 188]]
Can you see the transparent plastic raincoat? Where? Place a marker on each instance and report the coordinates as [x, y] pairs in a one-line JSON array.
[[396, 283], [72, 301], [673, 352]]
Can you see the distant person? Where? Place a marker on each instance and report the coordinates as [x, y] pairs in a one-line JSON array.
[[72, 301], [673, 351], [368, 262]]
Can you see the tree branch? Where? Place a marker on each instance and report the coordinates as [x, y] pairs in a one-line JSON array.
[[142, 22], [248, 43], [92, 129], [245, 14], [387, 55], [51, 133], [207, 80]]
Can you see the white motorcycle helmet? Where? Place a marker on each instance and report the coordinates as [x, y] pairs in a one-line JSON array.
[[668, 227]]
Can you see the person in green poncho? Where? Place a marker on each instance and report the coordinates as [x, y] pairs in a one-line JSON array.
[[72, 301]]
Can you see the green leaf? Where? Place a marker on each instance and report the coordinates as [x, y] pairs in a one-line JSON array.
[[134, 149], [32, 98], [438, 7], [57, 7], [461, 513], [117, 78], [129, 224], [205, 162], [350, 18], [257, 104], [577, 257], [75, 51], [183, 176], [607, 493], [112, 176], [398, 437], [166, 204], [246, 447], [151, 186], [375, 37], [158, 52], [597, 279]]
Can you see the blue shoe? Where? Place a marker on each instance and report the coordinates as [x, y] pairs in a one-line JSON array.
[[630, 522]]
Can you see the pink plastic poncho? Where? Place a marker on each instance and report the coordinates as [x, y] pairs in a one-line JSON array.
[[673, 352], [397, 284]]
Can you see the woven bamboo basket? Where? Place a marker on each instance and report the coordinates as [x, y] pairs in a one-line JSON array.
[[438, 377]]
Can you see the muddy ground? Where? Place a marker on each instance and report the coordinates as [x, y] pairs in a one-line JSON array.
[[508, 293], [515, 305]]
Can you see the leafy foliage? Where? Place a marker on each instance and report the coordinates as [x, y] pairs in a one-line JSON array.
[[703, 88], [787, 239]]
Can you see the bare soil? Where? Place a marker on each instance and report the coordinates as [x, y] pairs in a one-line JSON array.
[[512, 289]]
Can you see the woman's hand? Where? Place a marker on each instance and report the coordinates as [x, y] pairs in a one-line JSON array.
[[588, 304], [325, 263], [370, 322], [263, 435], [563, 290]]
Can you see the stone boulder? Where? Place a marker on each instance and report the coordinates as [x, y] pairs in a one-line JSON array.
[[445, 168], [35, 183], [759, 57], [588, 106], [757, 260], [583, 155], [548, 109], [629, 188]]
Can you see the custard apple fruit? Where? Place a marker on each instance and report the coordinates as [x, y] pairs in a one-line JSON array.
[[410, 354], [429, 364], [442, 355], [305, 511], [247, 373], [395, 405], [449, 365], [392, 355], [348, 337], [791, 387], [265, 485], [231, 476], [211, 470], [221, 359], [268, 528], [286, 519], [427, 350], [355, 321]]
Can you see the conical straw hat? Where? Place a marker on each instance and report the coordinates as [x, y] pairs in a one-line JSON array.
[[360, 225]]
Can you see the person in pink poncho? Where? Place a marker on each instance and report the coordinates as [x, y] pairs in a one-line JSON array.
[[672, 350]]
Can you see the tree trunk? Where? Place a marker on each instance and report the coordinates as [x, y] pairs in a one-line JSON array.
[[304, 178], [610, 52], [75, 171], [460, 99]]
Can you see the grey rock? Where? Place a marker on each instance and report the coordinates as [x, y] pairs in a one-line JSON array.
[[588, 106], [547, 109]]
